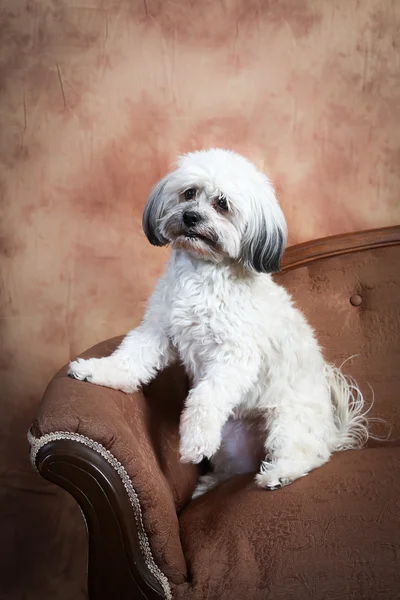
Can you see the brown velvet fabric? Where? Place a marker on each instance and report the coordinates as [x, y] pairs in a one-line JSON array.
[[333, 534], [142, 433], [370, 332]]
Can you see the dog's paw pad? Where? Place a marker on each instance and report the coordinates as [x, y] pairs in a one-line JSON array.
[[273, 486], [73, 376], [271, 481], [192, 457], [276, 485]]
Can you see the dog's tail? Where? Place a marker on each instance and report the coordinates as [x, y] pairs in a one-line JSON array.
[[350, 415]]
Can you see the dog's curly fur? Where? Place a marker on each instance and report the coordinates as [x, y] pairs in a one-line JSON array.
[[263, 398]]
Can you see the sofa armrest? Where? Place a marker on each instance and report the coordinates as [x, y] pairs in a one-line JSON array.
[[120, 563], [117, 454]]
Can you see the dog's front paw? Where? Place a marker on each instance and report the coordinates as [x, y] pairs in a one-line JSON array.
[[193, 453], [200, 437], [82, 369], [102, 371]]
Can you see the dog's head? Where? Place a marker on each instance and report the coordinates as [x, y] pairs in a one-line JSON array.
[[217, 206]]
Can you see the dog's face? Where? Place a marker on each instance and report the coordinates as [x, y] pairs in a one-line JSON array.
[[217, 206]]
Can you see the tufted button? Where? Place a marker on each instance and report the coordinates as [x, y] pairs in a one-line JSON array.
[[356, 300]]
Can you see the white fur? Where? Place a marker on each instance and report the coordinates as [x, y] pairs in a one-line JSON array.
[[263, 398]]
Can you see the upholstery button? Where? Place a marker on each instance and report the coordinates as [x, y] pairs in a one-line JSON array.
[[356, 300]]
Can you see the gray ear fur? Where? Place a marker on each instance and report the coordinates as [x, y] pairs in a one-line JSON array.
[[153, 212], [264, 244]]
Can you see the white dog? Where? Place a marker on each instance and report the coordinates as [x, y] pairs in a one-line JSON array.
[[262, 398]]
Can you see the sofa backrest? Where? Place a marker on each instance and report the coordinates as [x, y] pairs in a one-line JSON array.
[[348, 286]]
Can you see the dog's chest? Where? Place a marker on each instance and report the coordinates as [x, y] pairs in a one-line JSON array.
[[201, 318]]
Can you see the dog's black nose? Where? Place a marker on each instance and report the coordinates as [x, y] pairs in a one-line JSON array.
[[191, 218]]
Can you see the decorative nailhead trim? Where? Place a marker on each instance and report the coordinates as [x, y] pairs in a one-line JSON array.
[[38, 443]]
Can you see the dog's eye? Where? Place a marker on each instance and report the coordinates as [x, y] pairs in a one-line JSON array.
[[190, 194], [222, 203]]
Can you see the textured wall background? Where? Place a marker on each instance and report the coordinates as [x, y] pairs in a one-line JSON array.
[[97, 99]]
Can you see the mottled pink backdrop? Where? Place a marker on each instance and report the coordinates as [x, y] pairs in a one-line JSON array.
[[97, 99]]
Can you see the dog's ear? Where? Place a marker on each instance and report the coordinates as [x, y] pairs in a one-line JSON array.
[[153, 213], [264, 239], [264, 253]]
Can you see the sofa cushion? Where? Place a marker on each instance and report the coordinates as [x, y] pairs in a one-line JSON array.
[[334, 534]]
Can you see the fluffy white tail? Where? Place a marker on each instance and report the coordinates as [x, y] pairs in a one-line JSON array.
[[348, 403]]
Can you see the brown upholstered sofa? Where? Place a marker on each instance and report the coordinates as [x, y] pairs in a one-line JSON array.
[[333, 535]]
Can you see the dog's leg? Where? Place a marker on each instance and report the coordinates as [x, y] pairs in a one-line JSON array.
[[206, 483], [297, 442], [142, 353], [209, 405]]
